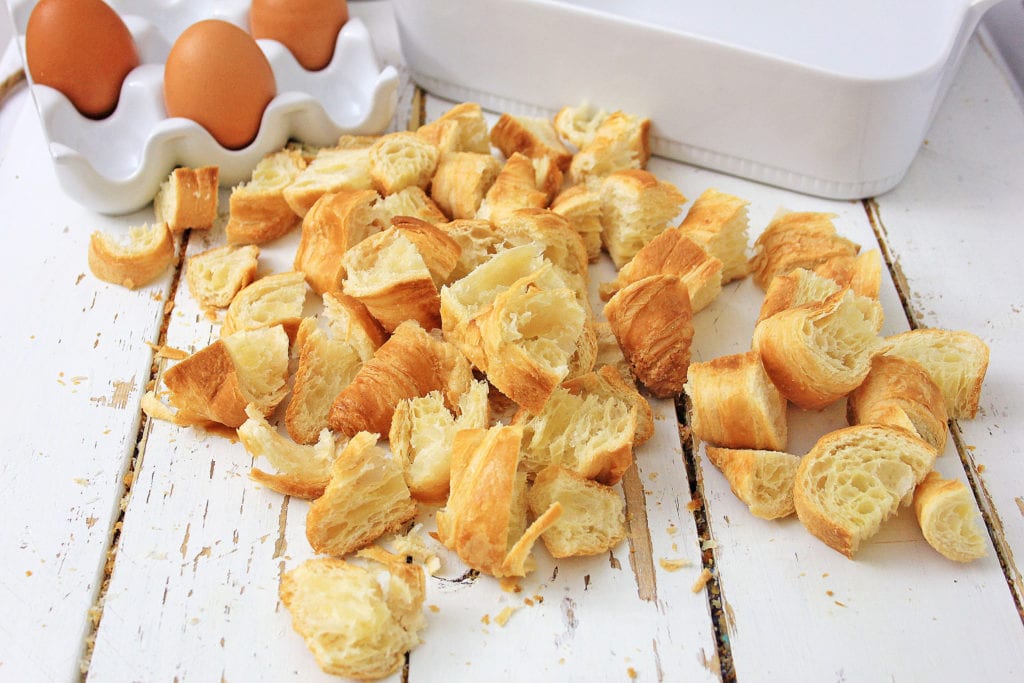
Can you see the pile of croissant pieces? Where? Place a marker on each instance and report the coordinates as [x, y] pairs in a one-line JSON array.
[[456, 324]]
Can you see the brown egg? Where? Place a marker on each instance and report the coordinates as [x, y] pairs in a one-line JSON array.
[[217, 76], [83, 49], [309, 28]]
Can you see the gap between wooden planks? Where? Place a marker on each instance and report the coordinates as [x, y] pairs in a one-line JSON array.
[[993, 523], [641, 556], [145, 423]]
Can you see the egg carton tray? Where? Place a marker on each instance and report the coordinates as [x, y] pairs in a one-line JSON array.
[[115, 165]]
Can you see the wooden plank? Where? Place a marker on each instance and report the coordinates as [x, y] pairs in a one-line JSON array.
[[76, 362], [203, 548], [198, 560], [896, 610], [955, 227]]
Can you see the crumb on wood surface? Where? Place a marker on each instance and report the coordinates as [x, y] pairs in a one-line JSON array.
[[702, 580], [504, 615], [673, 564]]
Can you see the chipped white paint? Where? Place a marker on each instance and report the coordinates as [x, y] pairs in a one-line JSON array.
[[894, 612], [193, 595], [75, 360], [960, 250]]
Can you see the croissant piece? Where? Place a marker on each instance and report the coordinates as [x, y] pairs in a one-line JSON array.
[[365, 498], [636, 207], [593, 519], [855, 478], [410, 363], [819, 352], [653, 323], [334, 224], [258, 211], [735, 405], [895, 382], [718, 222], [762, 479], [798, 239], [461, 180], [673, 253]]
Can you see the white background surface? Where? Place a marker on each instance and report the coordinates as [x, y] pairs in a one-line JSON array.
[[192, 527]]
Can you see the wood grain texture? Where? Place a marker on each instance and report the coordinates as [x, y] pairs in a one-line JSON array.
[[194, 590], [839, 615], [76, 359], [203, 548], [959, 250]]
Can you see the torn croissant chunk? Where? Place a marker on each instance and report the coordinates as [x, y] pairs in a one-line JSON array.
[[410, 363], [440, 252], [300, 470], [354, 624], [897, 389], [464, 301], [478, 241], [422, 433], [389, 275], [410, 201], [332, 169], [797, 239], [400, 160], [608, 381], [653, 323], [531, 136], [188, 199], [735, 405], [854, 479], [620, 141], [586, 433], [861, 273], [326, 366], [762, 479], [581, 206], [578, 125], [461, 181], [335, 223], [948, 515], [819, 352], [349, 321], [562, 245], [957, 361], [460, 129], [216, 383], [593, 518], [718, 222], [365, 498], [133, 262], [515, 187], [673, 253], [258, 211], [530, 333], [484, 521], [636, 207], [215, 276], [796, 288], [276, 299]]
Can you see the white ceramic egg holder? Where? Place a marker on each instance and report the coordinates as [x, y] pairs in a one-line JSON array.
[[115, 165]]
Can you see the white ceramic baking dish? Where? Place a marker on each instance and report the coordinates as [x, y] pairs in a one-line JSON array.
[[827, 98]]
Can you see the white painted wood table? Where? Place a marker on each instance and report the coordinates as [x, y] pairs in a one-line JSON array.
[[132, 549]]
